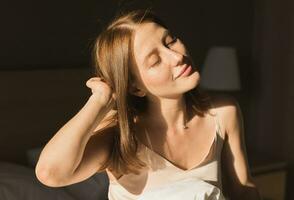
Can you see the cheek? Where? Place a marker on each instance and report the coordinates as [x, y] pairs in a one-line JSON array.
[[157, 77]]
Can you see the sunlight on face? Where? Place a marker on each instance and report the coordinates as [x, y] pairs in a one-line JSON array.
[[161, 58]]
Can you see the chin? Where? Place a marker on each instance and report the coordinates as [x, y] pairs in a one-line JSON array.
[[193, 80]]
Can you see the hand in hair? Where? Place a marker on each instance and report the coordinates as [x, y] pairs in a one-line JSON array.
[[101, 90]]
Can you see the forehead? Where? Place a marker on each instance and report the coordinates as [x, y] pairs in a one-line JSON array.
[[146, 36]]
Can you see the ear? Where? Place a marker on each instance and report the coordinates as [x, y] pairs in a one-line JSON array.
[[134, 90]]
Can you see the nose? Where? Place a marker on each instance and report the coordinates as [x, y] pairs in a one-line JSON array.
[[175, 58]]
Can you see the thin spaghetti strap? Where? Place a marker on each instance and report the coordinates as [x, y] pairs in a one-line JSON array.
[[149, 144], [216, 119], [148, 139]]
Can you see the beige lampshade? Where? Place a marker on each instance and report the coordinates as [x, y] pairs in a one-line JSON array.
[[220, 70]]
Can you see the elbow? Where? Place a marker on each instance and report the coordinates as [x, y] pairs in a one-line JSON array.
[[48, 177], [44, 177]]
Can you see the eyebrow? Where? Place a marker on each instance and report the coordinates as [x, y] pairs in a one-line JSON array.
[[164, 35]]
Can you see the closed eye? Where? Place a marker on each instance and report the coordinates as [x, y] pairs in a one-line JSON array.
[[174, 39]]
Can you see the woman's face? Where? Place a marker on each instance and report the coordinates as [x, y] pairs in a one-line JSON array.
[[164, 68]]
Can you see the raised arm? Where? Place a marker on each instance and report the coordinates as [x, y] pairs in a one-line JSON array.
[[75, 152]]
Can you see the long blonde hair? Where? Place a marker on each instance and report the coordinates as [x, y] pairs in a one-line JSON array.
[[113, 57]]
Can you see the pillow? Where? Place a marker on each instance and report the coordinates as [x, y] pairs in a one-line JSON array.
[[19, 182]]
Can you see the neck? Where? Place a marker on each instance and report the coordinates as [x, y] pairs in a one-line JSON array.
[[167, 114]]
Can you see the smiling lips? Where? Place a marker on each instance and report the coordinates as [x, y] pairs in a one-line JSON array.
[[185, 71]]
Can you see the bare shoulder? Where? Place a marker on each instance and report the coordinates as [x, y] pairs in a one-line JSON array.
[[228, 110], [225, 103]]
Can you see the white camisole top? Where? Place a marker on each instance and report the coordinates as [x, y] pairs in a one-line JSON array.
[[163, 180]]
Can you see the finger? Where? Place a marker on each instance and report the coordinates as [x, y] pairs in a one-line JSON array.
[[89, 83], [95, 79]]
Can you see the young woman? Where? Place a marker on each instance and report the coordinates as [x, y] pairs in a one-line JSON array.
[[148, 125]]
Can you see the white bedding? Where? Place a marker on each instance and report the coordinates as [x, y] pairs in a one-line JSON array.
[[18, 182]]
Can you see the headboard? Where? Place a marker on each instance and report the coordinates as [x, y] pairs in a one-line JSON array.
[[34, 104]]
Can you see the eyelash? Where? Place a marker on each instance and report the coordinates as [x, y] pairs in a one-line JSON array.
[[174, 39]]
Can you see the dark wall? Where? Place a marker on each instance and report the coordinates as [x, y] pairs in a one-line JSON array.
[[273, 58], [49, 33], [59, 33]]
